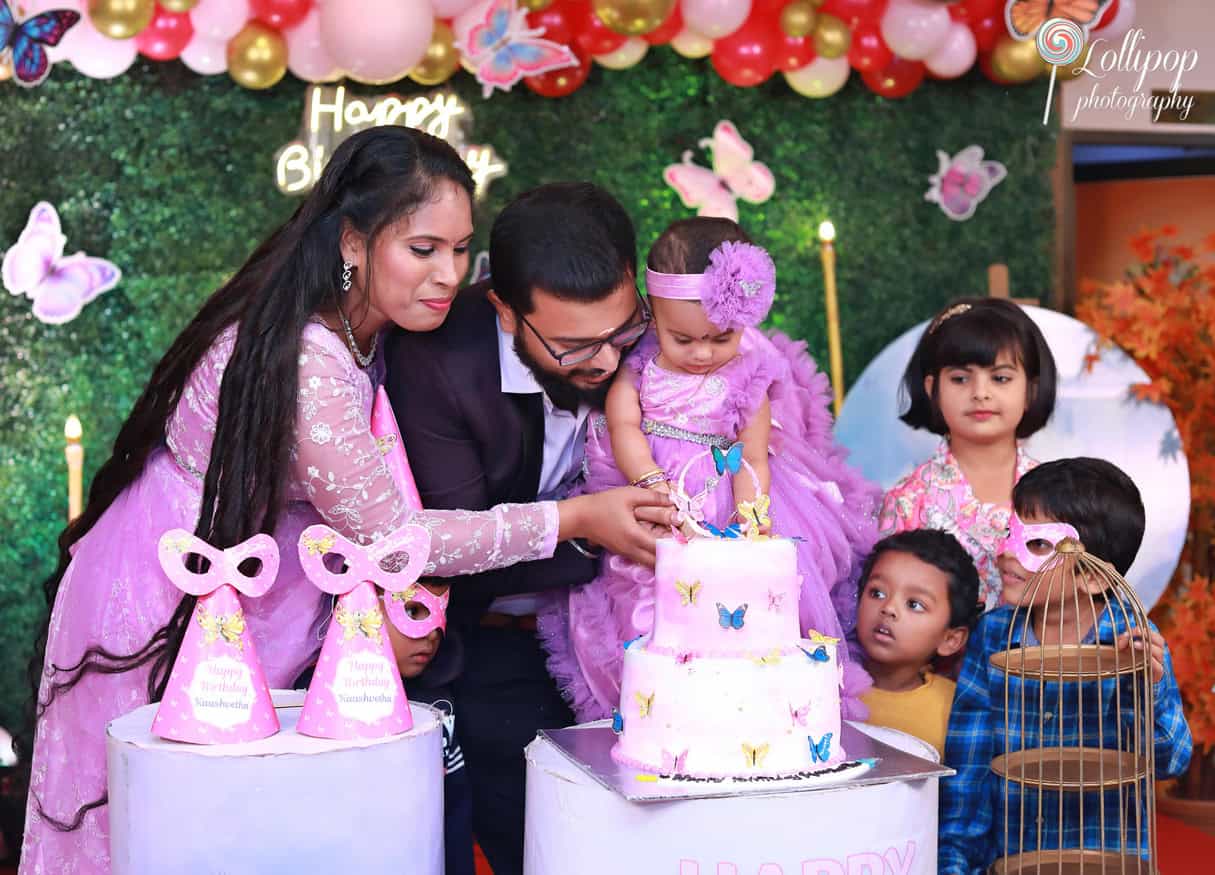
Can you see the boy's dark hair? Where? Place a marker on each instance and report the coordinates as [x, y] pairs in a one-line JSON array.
[[571, 239], [685, 246], [1093, 495], [942, 551], [976, 335]]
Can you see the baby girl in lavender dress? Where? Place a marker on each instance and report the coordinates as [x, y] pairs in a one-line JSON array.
[[707, 376]]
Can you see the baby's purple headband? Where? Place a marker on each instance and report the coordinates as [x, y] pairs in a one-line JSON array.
[[736, 291]]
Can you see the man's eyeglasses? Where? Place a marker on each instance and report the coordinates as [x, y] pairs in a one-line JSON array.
[[622, 337]]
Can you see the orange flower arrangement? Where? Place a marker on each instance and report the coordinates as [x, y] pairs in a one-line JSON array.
[[1163, 314]]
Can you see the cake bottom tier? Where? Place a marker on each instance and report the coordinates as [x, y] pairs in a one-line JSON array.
[[775, 713]]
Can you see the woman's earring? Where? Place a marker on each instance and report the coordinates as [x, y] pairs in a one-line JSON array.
[[347, 267]]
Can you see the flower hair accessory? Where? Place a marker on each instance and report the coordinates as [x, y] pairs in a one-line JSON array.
[[736, 291]]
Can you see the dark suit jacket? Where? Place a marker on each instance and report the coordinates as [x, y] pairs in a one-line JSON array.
[[471, 446]]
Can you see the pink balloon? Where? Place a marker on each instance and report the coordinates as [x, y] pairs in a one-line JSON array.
[[206, 56], [307, 58], [715, 18], [376, 40], [219, 19], [1120, 24], [956, 55], [915, 29], [451, 8], [97, 56]]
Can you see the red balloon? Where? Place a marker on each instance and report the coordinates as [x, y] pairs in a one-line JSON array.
[[897, 79], [1111, 12], [556, 21], [970, 11], [559, 83], [590, 33], [166, 35], [747, 57], [280, 14], [853, 12], [868, 50], [666, 31], [794, 52], [987, 31]]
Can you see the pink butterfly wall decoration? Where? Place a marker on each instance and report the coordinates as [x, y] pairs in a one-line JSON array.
[[36, 267], [963, 181], [734, 175], [501, 49]]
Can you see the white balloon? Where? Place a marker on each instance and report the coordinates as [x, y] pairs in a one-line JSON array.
[[822, 77], [307, 57], [630, 53], [205, 56], [715, 18], [219, 19], [956, 55], [99, 57], [690, 44], [915, 29]]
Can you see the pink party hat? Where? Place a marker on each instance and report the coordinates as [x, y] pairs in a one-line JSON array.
[[217, 692], [356, 690], [388, 439]]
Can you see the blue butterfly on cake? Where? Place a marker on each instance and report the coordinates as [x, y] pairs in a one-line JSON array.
[[751, 519]]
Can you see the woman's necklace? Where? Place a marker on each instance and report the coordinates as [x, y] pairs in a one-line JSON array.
[[364, 361]]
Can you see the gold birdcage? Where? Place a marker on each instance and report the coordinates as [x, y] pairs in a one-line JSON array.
[[1076, 773]]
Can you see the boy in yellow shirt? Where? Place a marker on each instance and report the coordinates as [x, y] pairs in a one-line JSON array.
[[919, 598]]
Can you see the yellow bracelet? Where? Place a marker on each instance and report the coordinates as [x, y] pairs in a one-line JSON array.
[[649, 478]]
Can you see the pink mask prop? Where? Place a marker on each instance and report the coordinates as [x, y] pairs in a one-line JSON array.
[[217, 692], [356, 690], [1034, 545], [396, 606]]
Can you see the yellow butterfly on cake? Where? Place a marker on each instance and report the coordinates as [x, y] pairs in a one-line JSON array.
[[1026, 16], [755, 755], [230, 627], [318, 546], [820, 638], [688, 592], [756, 512], [644, 704], [368, 622], [772, 658]]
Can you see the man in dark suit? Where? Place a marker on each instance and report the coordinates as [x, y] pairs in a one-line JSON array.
[[493, 408]]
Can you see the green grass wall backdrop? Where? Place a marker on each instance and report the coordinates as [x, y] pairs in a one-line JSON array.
[[171, 176]]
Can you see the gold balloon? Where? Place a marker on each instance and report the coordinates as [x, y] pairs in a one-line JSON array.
[[831, 37], [690, 44], [535, 5], [257, 56], [633, 17], [1068, 72], [1017, 60], [121, 19], [441, 59], [798, 18], [178, 5], [6, 71]]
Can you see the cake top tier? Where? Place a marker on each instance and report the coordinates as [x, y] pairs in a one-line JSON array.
[[725, 596]]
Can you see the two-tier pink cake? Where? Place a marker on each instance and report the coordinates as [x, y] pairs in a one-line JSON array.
[[725, 685]]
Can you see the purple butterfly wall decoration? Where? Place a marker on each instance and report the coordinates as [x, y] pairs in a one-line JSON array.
[[60, 286], [23, 41], [963, 181]]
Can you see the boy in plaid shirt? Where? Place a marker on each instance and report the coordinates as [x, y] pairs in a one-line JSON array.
[[1096, 503]]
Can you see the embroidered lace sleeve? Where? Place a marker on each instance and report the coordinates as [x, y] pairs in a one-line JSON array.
[[336, 460]]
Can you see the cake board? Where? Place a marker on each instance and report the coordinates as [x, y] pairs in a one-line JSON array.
[[583, 806], [287, 803]]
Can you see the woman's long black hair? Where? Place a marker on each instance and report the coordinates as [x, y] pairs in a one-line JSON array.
[[373, 180]]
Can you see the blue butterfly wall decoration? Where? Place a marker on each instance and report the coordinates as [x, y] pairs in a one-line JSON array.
[[23, 41]]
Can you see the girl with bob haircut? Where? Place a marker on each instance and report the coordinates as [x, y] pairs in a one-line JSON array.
[[983, 378]]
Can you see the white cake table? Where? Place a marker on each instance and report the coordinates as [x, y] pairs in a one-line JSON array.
[[839, 829], [288, 803]]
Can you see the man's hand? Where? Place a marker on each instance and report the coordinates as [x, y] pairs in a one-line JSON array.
[[625, 520]]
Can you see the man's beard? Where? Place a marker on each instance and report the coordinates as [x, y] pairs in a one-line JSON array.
[[558, 387]]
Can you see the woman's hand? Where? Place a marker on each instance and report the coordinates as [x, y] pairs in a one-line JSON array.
[[1155, 645], [621, 520]]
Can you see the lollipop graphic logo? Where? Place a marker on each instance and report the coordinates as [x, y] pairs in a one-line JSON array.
[[1059, 41]]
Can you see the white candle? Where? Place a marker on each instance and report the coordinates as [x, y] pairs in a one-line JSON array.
[[75, 463], [826, 234]]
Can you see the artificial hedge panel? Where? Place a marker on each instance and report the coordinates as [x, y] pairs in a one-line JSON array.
[[171, 176]]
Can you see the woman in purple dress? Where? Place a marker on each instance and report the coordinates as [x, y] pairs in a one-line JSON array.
[[257, 420]]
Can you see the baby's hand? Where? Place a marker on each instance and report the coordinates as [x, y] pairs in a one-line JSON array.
[[1155, 645]]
